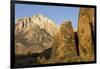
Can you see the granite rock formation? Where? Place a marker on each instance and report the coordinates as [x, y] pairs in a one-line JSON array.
[[86, 30], [64, 49], [34, 35]]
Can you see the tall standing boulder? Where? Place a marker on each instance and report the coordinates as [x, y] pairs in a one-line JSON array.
[[85, 34]]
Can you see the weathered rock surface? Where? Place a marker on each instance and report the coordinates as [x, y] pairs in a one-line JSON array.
[[45, 23], [34, 35], [42, 21], [85, 34], [64, 49]]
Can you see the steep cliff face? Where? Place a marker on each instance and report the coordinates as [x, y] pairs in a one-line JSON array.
[[34, 35], [85, 34]]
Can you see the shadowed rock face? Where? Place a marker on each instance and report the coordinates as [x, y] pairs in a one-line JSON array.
[[85, 34]]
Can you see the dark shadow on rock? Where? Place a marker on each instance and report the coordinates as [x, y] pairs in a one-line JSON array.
[[92, 33], [76, 42], [46, 53], [22, 61], [30, 60]]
